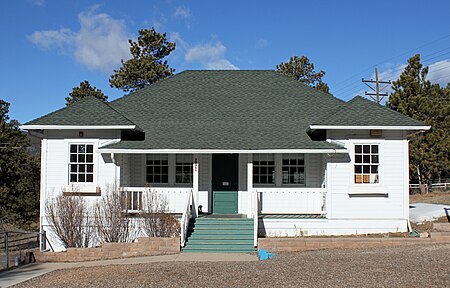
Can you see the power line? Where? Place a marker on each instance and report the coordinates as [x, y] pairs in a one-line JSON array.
[[407, 52], [378, 95]]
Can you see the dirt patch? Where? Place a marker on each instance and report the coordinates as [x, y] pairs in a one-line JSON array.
[[432, 198], [379, 267], [427, 226]]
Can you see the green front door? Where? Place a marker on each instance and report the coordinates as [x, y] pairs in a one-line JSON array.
[[225, 175]]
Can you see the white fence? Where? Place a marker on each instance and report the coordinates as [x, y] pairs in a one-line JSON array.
[[291, 200]]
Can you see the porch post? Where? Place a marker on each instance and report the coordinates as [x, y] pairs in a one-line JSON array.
[[251, 201], [195, 184]]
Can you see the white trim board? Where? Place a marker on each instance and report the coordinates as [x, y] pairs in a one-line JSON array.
[[212, 151], [331, 127], [75, 127]]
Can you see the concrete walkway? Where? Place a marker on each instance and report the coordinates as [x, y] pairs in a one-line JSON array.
[[30, 271]]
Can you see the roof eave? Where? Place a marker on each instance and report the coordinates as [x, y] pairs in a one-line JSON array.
[[374, 127], [215, 151], [78, 127]]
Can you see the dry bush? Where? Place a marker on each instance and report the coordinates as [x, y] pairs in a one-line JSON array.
[[111, 220], [70, 220], [156, 221]]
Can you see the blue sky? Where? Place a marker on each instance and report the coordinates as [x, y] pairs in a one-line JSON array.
[[49, 47]]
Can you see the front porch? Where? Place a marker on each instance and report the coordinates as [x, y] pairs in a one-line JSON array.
[[200, 184]]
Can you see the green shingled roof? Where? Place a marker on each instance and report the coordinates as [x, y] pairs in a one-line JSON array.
[[250, 110], [229, 110], [363, 112], [89, 111]]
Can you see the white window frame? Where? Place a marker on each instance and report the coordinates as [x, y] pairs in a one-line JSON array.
[[379, 165], [305, 169], [73, 185], [147, 156], [190, 167], [254, 156], [171, 163]]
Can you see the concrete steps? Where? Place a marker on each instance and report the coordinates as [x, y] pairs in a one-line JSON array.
[[220, 235]]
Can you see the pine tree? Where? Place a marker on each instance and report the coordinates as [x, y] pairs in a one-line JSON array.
[[146, 65], [19, 174], [302, 70], [417, 97], [84, 90]]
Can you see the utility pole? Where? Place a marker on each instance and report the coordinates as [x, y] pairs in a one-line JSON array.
[[378, 95]]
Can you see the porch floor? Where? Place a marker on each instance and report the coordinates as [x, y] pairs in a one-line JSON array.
[[214, 216], [291, 216]]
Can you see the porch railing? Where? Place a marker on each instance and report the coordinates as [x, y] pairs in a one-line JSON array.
[[291, 201], [176, 197], [186, 217]]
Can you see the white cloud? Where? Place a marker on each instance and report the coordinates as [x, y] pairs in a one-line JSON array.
[[207, 51], [211, 56], [182, 12], [53, 38], [221, 64], [100, 43], [39, 3], [439, 72], [262, 43], [176, 37]]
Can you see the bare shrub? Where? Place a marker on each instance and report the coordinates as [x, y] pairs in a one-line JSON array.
[[70, 220], [157, 222], [111, 220]]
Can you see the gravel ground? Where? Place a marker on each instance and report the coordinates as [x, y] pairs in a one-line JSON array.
[[416, 266]]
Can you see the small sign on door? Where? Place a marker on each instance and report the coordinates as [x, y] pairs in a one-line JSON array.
[[225, 183]]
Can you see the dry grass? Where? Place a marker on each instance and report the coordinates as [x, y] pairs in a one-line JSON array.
[[432, 198], [427, 226]]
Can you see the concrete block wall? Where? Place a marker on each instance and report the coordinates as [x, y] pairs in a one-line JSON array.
[[311, 243], [144, 246]]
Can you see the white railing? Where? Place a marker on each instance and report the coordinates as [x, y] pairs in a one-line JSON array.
[[291, 200], [255, 213], [186, 217], [176, 197]]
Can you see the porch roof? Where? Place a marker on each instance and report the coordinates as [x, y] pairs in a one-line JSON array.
[[230, 135]]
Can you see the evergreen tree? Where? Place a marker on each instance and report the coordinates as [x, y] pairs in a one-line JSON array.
[[302, 70], [416, 97], [84, 90], [19, 174], [146, 65]]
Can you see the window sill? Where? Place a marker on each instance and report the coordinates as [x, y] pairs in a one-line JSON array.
[[81, 189]]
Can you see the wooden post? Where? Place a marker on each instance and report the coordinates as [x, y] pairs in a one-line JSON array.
[[195, 184], [6, 250]]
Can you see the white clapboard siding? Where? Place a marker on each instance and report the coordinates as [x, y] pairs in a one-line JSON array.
[[137, 170], [292, 200], [315, 170], [348, 200]]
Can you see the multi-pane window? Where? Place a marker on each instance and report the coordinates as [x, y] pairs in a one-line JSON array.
[[293, 169], [183, 169], [132, 200], [81, 164], [366, 164], [157, 168], [263, 169]]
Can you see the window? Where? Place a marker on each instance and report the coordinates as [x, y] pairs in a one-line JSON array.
[[293, 169], [157, 168], [81, 164], [366, 164], [263, 169], [132, 200], [183, 169]]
